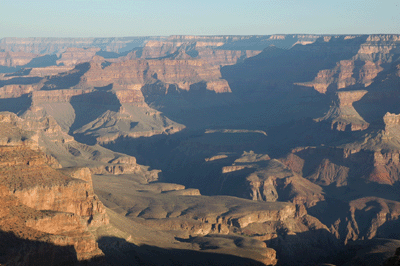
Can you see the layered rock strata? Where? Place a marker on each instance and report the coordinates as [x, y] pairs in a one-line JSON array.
[[270, 180], [183, 73]]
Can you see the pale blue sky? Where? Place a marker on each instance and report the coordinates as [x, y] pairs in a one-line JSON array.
[[105, 18]]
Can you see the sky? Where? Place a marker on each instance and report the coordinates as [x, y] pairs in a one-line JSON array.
[[119, 18]]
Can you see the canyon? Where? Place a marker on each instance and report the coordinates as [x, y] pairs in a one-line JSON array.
[[193, 150]]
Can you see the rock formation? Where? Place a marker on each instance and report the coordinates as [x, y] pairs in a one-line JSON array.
[[270, 180], [362, 68], [317, 192], [59, 45], [183, 73], [13, 59], [342, 116], [345, 74], [74, 56], [43, 204], [203, 221]]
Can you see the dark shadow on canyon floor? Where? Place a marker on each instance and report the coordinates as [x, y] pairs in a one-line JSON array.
[[120, 252], [18, 251]]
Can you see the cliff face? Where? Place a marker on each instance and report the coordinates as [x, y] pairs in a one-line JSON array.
[[42, 204]]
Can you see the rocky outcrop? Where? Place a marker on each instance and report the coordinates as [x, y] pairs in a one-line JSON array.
[[342, 116], [345, 74], [270, 180], [383, 147], [392, 122], [329, 173], [324, 166], [367, 218]]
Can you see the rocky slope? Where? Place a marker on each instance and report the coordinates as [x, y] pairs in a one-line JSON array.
[[209, 223], [67, 152]]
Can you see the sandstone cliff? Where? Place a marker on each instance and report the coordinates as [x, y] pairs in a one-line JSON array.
[[42, 204]]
